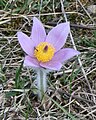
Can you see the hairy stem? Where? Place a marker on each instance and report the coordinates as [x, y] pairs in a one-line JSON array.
[[41, 82]]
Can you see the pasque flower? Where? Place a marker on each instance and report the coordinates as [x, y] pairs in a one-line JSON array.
[[43, 50], [46, 51]]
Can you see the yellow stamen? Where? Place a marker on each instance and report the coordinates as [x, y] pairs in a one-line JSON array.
[[44, 52]]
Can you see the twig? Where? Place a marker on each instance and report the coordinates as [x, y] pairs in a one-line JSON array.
[[64, 93], [83, 26], [75, 26]]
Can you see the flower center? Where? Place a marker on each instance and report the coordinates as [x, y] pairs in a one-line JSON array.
[[44, 52]]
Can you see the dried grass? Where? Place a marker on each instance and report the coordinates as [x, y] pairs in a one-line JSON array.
[[72, 91]]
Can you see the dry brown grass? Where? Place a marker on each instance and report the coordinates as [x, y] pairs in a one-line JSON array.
[[72, 90]]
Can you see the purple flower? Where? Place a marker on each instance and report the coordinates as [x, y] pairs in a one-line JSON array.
[[45, 51]]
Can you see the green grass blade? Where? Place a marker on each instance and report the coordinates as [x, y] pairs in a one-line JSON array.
[[69, 114], [18, 74]]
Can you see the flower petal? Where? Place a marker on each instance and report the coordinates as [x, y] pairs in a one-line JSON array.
[[31, 62], [38, 33], [58, 35], [65, 54], [25, 43], [52, 65]]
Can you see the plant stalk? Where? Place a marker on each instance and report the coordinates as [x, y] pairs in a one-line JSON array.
[[41, 82]]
